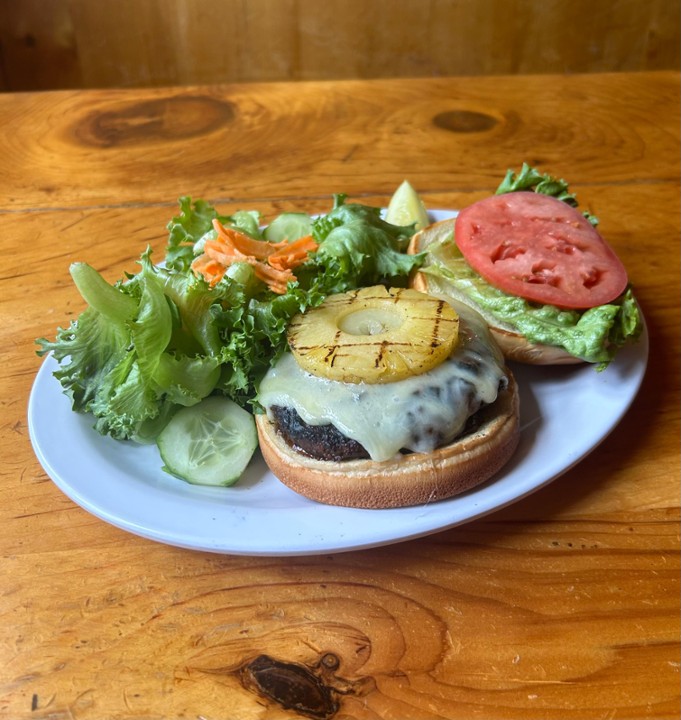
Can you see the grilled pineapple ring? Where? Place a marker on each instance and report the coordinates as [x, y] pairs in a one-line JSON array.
[[374, 335]]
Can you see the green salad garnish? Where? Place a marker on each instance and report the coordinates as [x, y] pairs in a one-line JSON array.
[[164, 338]]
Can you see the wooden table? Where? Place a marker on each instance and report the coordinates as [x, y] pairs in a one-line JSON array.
[[563, 605]]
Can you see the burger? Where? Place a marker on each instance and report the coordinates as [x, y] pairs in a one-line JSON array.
[[550, 288], [387, 397]]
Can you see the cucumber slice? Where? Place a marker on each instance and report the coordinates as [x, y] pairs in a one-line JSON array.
[[288, 226], [210, 443]]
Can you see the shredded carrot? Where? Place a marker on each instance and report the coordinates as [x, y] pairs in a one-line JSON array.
[[273, 263], [223, 253], [260, 249], [293, 253], [276, 280], [212, 270]]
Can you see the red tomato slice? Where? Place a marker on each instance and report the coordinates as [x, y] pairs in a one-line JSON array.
[[541, 249]]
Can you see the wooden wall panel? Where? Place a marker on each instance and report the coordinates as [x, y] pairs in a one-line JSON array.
[[37, 45], [131, 43]]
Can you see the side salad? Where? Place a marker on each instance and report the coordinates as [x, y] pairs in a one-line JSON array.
[[208, 321]]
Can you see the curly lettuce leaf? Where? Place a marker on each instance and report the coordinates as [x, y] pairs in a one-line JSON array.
[[357, 245], [530, 179], [116, 360]]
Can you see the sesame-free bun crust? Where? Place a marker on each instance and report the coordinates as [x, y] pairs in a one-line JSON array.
[[513, 345], [412, 479]]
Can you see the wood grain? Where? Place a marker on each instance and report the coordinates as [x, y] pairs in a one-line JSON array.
[[139, 43], [563, 606], [495, 621], [120, 148]]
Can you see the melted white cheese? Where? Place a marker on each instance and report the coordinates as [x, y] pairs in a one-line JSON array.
[[416, 414]]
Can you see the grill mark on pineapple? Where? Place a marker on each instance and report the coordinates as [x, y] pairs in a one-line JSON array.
[[378, 349], [380, 353], [333, 350], [437, 322], [436, 325]]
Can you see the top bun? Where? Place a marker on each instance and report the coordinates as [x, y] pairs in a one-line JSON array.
[[513, 345]]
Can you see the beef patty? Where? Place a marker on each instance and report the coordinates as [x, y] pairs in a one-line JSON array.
[[326, 442], [323, 442]]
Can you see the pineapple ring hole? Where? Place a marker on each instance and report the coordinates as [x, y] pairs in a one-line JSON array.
[[370, 321]]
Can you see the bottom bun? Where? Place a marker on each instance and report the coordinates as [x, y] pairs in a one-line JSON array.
[[412, 479], [513, 345]]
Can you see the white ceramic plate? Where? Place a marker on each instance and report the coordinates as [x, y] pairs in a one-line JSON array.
[[565, 412]]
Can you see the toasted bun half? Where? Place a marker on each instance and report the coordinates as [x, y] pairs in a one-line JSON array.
[[413, 479], [513, 345]]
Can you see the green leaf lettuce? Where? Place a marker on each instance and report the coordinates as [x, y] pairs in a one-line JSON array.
[[164, 338]]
